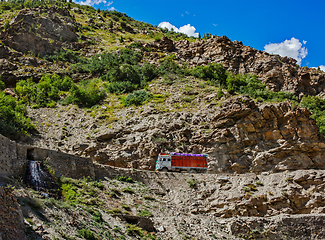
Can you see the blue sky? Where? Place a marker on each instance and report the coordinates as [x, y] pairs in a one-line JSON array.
[[256, 23]]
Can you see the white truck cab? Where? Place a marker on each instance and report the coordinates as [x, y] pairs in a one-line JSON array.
[[182, 162], [163, 163]]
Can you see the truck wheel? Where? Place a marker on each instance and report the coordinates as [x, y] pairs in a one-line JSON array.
[[192, 171], [164, 169]]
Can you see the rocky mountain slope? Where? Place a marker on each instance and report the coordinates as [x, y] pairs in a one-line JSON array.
[[279, 73], [265, 176]]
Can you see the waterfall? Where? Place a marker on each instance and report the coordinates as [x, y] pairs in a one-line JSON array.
[[36, 176]]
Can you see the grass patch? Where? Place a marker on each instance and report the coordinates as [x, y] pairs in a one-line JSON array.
[[87, 234], [151, 198], [125, 179], [128, 190], [114, 211], [82, 191], [191, 183], [144, 213]]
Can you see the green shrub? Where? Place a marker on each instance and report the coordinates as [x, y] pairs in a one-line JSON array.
[[87, 234], [144, 213], [137, 98], [125, 179], [117, 229], [5, 6], [110, 24], [126, 207], [13, 118], [317, 106], [134, 230], [120, 69], [129, 56], [169, 66], [219, 93], [69, 192], [65, 55], [151, 198], [81, 191], [131, 73], [7, 25], [255, 88], [97, 216], [45, 93], [2, 85], [114, 211], [191, 183], [86, 94], [114, 192], [128, 190], [148, 72], [121, 87], [97, 64], [135, 45], [235, 82], [214, 73]]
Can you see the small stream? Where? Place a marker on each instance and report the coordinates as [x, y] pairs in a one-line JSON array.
[[36, 176]]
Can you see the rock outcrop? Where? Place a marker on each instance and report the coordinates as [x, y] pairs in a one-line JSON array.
[[30, 31], [35, 32], [239, 136], [279, 73]]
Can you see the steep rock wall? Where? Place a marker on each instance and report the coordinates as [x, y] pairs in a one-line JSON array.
[[239, 136]]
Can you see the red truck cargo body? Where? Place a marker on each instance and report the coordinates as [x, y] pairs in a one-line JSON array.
[[189, 162], [182, 161]]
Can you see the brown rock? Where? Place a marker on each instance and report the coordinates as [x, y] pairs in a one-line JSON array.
[[11, 218], [29, 32]]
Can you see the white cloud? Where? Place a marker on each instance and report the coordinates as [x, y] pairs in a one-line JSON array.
[[290, 48], [112, 9], [322, 67], [91, 2], [187, 29]]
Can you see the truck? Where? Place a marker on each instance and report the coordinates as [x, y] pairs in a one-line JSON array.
[[173, 161]]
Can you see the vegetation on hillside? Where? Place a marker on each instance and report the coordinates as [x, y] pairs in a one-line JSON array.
[[13, 117], [51, 89], [317, 106]]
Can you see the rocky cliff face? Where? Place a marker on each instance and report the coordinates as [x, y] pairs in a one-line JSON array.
[[279, 73], [239, 135]]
